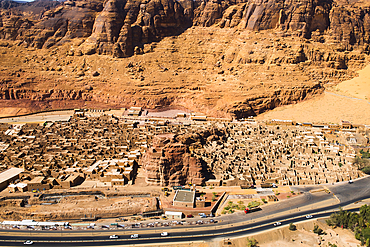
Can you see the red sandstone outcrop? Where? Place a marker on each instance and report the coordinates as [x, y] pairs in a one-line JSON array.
[[240, 58], [116, 27], [169, 162]]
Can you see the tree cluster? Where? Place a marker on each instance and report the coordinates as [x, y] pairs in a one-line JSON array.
[[358, 223], [363, 161]]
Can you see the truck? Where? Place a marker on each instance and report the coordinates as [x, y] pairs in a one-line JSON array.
[[251, 209]]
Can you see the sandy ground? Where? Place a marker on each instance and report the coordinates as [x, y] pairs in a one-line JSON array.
[[37, 118], [357, 87], [303, 236], [349, 100], [283, 237]]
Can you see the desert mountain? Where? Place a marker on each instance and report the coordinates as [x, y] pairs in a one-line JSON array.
[[223, 58]]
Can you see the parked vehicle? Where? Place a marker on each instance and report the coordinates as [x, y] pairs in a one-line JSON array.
[[251, 209], [189, 216]]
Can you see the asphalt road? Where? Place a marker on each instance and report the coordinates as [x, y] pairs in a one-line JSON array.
[[347, 193], [155, 238]]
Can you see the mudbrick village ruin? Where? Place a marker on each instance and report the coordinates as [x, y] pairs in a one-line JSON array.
[[102, 165]]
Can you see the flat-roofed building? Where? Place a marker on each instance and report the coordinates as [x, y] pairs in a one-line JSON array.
[[184, 198], [9, 176], [214, 182], [119, 182], [38, 184], [72, 180], [22, 187], [173, 215]]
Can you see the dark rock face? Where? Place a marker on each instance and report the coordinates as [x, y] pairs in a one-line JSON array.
[[123, 25], [51, 22], [117, 27]]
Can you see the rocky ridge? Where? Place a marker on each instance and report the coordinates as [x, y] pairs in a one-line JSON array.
[[117, 27], [223, 58]]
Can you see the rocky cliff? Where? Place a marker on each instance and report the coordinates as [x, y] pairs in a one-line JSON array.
[[122, 27], [169, 162], [231, 58]]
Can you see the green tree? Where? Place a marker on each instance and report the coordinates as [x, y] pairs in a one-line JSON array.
[[328, 222], [251, 242], [292, 227], [318, 230], [366, 169]]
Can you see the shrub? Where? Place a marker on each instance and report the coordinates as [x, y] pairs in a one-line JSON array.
[[318, 230], [251, 242], [292, 227], [253, 204], [366, 169]]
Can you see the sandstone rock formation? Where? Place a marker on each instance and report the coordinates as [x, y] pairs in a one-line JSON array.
[[116, 27], [169, 162], [223, 58]]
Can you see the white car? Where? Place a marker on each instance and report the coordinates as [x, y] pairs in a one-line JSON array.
[[113, 237], [164, 234], [134, 235], [309, 216], [28, 242], [277, 224]]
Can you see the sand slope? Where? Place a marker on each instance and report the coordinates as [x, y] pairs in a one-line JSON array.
[[346, 101]]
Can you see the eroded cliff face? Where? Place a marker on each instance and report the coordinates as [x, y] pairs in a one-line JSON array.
[[169, 162], [122, 27], [223, 58]]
